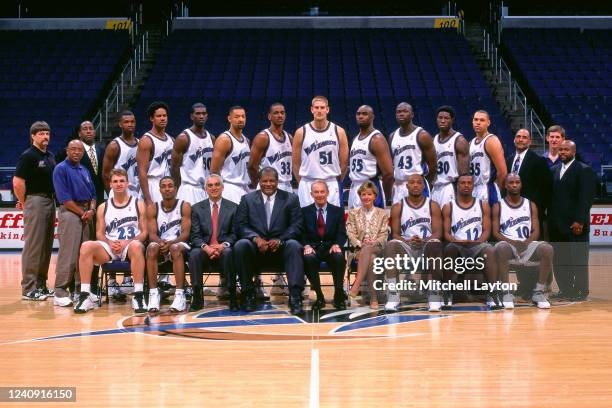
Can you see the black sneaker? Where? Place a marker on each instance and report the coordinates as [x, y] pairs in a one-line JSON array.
[[47, 291], [138, 303], [35, 294], [84, 303]]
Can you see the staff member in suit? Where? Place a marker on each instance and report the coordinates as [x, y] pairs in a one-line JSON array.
[[212, 237], [323, 239], [269, 224], [33, 187], [368, 229], [568, 222], [535, 174], [93, 157], [76, 193]]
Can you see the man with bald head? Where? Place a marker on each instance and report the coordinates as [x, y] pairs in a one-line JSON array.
[[536, 178], [76, 194], [93, 157], [568, 222], [413, 152], [369, 158]]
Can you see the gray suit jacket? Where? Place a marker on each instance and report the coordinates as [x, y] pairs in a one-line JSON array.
[[201, 223]]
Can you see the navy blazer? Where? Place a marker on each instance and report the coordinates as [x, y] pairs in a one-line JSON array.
[[572, 196], [201, 223], [335, 230], [286, 221], [536, 179]]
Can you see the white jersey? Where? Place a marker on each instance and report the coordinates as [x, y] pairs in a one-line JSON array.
[[169, 223], [481, 166], [197, 158], [234, 169], [447, 159], [416, 221], [127, 162], [161, 154], [278, 156], [362, 163], [121, 222], [407, 155], [515, 222], [466, 223], [320, 152]]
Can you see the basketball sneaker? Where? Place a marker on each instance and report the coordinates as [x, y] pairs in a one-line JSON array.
[[493, 301], [153, 301], [447, 301], [435, 301], [127, 286], [392, 306], [179, 304], [279, 286], [84, 304], [138, 303], [62, 301], [34, 294], [47, 291], [508, 300], [539, 299]]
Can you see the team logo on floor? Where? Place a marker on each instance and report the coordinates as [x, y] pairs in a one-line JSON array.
[[271, 323]]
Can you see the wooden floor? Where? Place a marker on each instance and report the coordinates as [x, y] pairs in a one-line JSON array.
[[469, 357]]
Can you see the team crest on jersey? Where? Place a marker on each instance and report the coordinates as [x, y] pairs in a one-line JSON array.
[[358, 151], [115, 223], [278, 156], [464, 223], [241, 156], [414, 221], [167, 226], [511, 222], [165, 156], [316, 145], [129, 163], [399, 150]]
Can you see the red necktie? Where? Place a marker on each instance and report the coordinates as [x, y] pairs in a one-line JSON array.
[[215, 220], [320, 223]]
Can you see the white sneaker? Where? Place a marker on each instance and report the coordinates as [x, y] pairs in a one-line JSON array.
[[84, 304], [138, 303], [179, 304], [435, 302], [508, 300], [154, 301], [62, 301], [539, 299], [279, 286], [392, 306], [127, 286]]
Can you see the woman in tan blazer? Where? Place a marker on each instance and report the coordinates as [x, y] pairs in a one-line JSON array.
[[367, 228]]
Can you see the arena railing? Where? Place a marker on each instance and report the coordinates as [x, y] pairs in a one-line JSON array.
[[516, 96], [115, 98]]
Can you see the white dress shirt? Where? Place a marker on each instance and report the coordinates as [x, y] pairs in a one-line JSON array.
[[564, 168], [324, 208], [520, 156]]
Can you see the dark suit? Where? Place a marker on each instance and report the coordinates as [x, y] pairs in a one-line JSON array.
[[285, 225], [96, 178], [201, 233], [536, 182], [334, 234], [572, 197]]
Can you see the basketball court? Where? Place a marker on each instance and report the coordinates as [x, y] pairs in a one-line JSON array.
[[466, 357]]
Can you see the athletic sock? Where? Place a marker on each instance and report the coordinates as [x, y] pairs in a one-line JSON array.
[[540, 286], [138, 287], [86, 287]]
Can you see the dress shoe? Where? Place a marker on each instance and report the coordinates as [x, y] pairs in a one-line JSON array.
[[233, 304], [295, 304], [579, 296], [318, 304], [339, 301], [197, 301], [249, 304]]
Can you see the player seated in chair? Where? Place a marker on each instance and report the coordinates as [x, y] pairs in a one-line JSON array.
[[212, 237], [516, 227], [169, 224], [120, 231], [269, 222], [324, 237]]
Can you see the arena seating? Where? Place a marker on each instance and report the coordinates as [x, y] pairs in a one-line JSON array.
[[569, 71], [54, 76], [379, 67]]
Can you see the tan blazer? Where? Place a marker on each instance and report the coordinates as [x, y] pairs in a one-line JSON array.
[[358, 228]]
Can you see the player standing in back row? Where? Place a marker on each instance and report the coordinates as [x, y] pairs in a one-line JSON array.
[[487, 162], [272, 148], [192, 156], [230, 156], [320, 151], [412, 150], [453, 153], [153, 154]]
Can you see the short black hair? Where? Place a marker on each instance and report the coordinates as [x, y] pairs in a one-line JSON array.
[[446, 108], [235, 107], [273, 105], [196, 106], [167, 178], [126, 113], [155, 106]]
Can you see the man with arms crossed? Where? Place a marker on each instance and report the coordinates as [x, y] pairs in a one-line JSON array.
[[169, 225], [320, 152], [516, 227], [121, 230]]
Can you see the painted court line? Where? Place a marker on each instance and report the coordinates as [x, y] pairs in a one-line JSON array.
[[314, 378]]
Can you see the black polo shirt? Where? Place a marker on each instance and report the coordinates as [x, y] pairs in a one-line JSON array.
[[36, 168]]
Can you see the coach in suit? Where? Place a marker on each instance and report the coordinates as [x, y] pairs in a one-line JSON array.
[[323, 238], [269, 224], [535, 174], [574, 185], [93, 157], [212, 237]]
